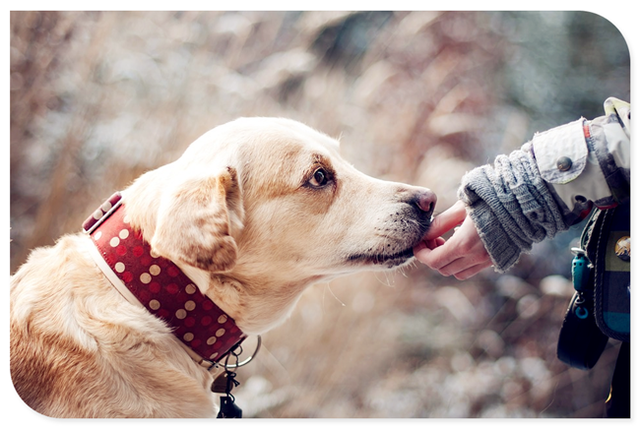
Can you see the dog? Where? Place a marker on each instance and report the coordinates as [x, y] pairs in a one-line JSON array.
[[252, 213]]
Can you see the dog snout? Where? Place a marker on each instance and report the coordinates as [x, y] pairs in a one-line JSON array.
[[424, 199]]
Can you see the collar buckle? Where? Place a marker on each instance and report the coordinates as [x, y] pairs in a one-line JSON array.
[[107, 208]]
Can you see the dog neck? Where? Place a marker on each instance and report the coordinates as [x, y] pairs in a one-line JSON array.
[[156, 283]]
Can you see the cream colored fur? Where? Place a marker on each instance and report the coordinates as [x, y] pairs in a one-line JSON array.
[[247, 215]]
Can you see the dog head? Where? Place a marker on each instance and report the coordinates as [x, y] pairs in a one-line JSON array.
[[258, 209]]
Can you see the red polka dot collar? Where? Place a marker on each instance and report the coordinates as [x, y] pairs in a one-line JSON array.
[[156, 283]]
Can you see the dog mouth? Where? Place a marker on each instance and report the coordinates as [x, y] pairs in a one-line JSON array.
[[387, 256], [387, 260]]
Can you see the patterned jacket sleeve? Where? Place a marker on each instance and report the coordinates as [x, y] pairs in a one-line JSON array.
[[549, 184]]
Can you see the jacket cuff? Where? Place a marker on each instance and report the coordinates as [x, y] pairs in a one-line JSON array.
[[561, 153]]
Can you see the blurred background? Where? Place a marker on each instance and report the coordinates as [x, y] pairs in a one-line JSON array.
[[420, 97]]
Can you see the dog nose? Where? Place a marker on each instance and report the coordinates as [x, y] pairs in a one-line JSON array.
[[425, 199]]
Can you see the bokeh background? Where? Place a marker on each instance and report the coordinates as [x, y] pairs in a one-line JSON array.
[[421, 97]]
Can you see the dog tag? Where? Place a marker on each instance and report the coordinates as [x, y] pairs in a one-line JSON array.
[[221, 384], [228, 408]]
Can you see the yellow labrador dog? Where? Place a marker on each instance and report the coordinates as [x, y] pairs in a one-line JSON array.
[[127, 319]]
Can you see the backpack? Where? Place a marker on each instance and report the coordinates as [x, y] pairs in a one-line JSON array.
[[601, 305]]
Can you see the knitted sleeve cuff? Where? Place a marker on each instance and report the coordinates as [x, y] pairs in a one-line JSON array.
[[503, 251], [511, 206]]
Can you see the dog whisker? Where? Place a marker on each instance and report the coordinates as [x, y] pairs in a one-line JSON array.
[[336, 297]]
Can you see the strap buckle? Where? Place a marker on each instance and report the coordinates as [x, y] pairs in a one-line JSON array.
[[580, 269]]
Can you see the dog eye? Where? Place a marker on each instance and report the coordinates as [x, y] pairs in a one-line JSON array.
[[319, 178]]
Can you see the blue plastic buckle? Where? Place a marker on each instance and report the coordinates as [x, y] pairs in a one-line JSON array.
[[580, 269]]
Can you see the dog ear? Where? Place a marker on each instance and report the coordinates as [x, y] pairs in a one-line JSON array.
[[195, 220]]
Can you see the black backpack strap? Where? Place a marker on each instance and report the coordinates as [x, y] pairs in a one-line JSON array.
[[581, 342]]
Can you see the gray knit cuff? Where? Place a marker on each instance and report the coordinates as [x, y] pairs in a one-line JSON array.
[[511, 206]]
